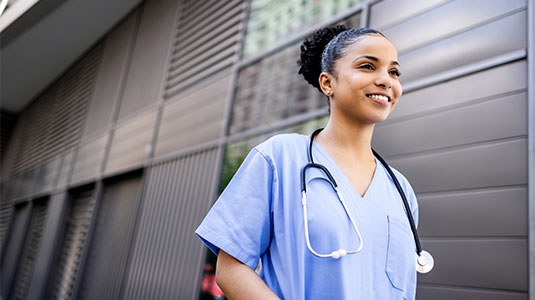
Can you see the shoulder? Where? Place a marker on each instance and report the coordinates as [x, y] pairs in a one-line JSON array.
[[282, 144]]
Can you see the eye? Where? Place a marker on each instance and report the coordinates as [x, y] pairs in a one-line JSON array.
[[395, 73], [366, 66]]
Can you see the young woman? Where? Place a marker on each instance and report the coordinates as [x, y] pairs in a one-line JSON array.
[[314, 242]]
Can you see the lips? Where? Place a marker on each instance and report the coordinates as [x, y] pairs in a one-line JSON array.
[[379, 98]]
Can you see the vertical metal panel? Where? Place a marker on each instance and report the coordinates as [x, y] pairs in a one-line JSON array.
[[11, 256], [30, 250], [111, 75], [167, 257], [206, 42], [131, 143], [111, 241], [65, 171], [193, 119], [531, 147], [6, 212], [67, 267], [150, 56], [52, 233]]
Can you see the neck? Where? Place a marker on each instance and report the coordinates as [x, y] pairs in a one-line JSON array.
[[354, 141]]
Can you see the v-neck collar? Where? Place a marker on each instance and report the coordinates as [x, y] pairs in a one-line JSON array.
[[340, 176]]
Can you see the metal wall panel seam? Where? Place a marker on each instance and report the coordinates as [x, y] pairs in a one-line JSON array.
[[173, 228], [464, 70], [186, 258], [414, 46], [365, 14], [49, 244], [161, 95], [23, 221], [531, 148], [140, 263], [227, 114], [483, 290], [405, 15], [145, 189], [97, 194], [118, 101]]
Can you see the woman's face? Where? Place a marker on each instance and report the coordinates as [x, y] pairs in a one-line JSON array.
[[366, 87]]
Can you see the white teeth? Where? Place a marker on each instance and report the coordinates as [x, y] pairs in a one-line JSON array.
[[379, 97]]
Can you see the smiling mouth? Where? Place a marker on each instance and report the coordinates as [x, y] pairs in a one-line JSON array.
[[381, 98]]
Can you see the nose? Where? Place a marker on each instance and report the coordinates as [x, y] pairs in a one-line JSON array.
[[384, 80]]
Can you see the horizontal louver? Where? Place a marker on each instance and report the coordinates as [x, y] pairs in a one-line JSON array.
[[52, 124], [206, 42]]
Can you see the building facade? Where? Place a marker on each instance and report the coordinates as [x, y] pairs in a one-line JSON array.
[[107, 173]]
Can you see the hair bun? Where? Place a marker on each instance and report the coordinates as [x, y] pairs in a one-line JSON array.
[[311, 52]]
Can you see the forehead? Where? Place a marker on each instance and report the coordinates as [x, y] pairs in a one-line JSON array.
[[372, 45]]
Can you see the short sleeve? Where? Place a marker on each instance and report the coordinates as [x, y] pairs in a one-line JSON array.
[[239, 223]]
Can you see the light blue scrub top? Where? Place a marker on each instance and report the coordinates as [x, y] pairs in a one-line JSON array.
[[260, 216]]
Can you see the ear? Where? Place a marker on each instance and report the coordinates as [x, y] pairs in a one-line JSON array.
[[326, 83]]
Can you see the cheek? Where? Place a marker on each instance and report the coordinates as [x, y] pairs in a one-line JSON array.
[[398, 90]]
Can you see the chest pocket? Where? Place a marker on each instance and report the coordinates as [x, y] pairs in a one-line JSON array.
[[400, 260]]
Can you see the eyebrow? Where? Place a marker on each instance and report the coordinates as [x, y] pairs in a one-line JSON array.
[[373, 58]]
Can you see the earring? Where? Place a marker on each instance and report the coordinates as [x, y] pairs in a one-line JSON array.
[[328, 93]]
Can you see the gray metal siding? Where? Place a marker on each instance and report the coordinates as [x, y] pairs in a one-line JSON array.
[[111, 240], [111, 75], [194, 118], [206, 42], [131, 143], [68, 266], [459, 135], [11, 255], [89, 159], [167, 257], [30, 250], [150, 57], [52, 230]]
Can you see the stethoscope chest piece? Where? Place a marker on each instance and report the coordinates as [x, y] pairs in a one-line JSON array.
[[424, 262]]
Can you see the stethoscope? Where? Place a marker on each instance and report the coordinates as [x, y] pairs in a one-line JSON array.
[[424, 260]]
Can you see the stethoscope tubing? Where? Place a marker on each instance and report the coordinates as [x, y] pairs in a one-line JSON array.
[[312, 164]]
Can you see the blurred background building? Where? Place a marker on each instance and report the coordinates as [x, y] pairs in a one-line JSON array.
[[122, 121]]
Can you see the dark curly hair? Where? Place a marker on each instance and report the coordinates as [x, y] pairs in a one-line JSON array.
[[321, 49]]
